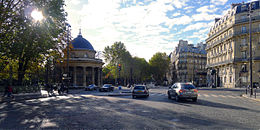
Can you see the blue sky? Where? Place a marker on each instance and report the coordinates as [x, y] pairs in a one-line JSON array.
[[144, 26]]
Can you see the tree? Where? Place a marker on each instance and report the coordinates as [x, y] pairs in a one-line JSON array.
[[159, 64], [26, 41], [141, 69], [118, 54]]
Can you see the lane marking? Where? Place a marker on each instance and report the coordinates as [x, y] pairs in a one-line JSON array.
[[206, 95], [214, 95]]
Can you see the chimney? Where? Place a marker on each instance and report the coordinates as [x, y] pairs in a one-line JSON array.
[[217, 19]]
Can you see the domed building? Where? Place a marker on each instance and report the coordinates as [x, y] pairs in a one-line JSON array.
[[84, 67]]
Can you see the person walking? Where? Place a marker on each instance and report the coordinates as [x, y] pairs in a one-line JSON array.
[[10, 91]]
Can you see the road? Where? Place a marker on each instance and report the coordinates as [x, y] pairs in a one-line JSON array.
[[215, 109]]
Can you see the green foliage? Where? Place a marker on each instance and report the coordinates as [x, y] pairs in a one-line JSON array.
[[159, 64], [26, 42], [117, 54]]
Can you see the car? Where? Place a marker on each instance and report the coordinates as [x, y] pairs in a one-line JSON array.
[[106, 88], [183, 91], [140, 91], [91, 87]]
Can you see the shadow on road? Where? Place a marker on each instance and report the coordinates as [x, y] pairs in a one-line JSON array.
[[78, 111]]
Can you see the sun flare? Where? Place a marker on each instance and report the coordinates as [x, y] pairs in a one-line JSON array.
[[37, 15]]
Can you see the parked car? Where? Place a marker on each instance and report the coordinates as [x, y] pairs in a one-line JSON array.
[[106, 88], [183, 91], [140, 91], [91, 87]]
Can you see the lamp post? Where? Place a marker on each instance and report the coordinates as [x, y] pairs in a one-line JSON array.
[[68, 41], [250, 48]]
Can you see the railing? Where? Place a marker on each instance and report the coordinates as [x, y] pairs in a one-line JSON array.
[[219, 41], [243, 45], [247, 19], [236, 22]]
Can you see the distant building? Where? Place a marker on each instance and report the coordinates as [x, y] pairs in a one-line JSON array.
[[228, 47], [188, 64], [84, 67]]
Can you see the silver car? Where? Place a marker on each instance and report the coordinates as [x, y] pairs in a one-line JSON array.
[[183, 91], [140, 91]]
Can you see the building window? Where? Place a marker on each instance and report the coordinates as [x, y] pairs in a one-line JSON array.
[[230, 80], [243, 41], [224, 79], [244, 68], [243, 29], [243, 54], [230, 70], [243, 8], [243, 17], [244, 79]]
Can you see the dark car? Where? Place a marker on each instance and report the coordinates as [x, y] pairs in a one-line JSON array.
[[91, 87], [140, 91], [183, 91], [106, 88]]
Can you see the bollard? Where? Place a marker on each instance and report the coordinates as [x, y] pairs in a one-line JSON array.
[[255, 91]]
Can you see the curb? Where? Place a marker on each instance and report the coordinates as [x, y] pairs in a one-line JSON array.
[[245, 96], [21, 99], [118, 94]]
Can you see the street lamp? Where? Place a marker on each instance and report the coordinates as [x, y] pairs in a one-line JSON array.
[[250, 48], [68, 41]]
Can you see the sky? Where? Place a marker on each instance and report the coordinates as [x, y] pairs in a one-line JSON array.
[[144, 26]]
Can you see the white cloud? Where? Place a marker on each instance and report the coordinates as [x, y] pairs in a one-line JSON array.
[[218, 2], [179, 3], [196, 26], [176, 14], [138, 24], [206, 9], [204, 16], [183, 20]]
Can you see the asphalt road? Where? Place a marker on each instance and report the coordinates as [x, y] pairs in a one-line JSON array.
[[215, 109]]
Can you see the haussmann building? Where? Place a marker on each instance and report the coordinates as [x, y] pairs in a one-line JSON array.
[[228, 46]]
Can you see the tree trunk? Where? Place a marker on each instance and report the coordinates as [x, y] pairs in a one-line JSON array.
[[21, 70]]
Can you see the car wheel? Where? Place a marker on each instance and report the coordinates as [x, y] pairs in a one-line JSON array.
[[133, 97], [177, 98], [195, 99], [169, 96]]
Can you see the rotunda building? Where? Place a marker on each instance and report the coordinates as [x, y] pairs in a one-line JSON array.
[[84, 67]]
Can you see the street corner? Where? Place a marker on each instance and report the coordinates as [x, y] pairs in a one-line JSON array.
[[251, 98]]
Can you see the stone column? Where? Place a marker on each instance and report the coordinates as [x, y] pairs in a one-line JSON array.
[[98, 76], [84, 76], [74, 76], [93, 75]]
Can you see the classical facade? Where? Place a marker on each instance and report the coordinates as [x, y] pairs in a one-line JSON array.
[[84, 67], [228, 47], [188, 63]]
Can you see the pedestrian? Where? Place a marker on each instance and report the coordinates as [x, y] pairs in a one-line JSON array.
[[10, 91]]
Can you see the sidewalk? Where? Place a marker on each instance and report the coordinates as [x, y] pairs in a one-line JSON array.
[[24, 96], [255, 96]]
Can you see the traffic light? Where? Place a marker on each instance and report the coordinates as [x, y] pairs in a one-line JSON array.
[[119, 67]]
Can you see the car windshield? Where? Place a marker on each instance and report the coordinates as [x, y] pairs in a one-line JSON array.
[[139, 87], [187, 86]]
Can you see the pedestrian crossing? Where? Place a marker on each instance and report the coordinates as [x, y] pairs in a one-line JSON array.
[[202, 95]]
